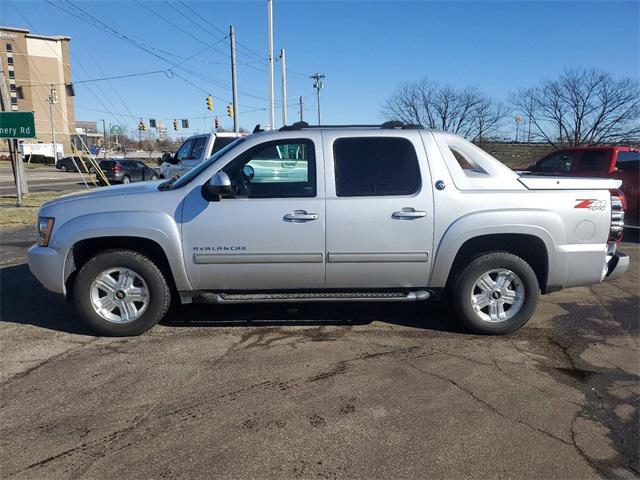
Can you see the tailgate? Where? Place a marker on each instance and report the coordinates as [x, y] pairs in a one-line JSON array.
[[544, 182]]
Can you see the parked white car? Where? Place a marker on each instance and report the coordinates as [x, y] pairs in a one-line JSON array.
[[193, 151]]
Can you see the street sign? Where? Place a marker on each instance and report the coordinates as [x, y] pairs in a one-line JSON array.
[[116, 130], [17, 125]]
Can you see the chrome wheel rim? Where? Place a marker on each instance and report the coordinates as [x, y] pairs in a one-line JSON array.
[[119, 295], [497, 295]]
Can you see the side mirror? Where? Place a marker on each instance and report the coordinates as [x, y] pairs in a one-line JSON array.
[[219, 185]]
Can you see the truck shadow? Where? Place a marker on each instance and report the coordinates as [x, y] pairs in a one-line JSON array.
[[435, 316], [24, 301]]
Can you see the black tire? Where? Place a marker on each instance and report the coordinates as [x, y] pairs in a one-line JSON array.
[[153, 177], [463, 287], [159, 293], [126, 179], [63, 168]]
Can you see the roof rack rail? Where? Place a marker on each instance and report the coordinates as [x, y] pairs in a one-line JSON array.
[[387, 125]]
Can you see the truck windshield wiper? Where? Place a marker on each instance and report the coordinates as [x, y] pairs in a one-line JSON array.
[[167, 185]]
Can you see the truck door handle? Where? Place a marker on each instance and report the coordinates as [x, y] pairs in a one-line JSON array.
[[300, 216], [409, 213]]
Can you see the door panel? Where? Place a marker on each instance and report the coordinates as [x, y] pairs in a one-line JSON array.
[[249, 243], [380, 238]]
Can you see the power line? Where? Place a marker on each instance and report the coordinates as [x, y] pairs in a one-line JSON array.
[[102, 79], [238, 44], [90, 19]]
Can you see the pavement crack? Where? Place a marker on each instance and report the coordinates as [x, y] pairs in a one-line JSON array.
[[102, 442], [38, 366], [488, 405]]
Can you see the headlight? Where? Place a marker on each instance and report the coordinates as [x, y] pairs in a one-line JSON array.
[[43, 230]]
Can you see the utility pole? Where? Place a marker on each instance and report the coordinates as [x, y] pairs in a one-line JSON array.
[[53, 98], [104, 139], [318, 85], [234, 80], [272, 112], [301, 109], [283, 64]]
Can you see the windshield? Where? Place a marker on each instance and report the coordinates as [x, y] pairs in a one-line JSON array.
[[194, 172]]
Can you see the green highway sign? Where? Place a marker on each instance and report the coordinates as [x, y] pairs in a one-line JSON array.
[[116, 130], [17, 125]]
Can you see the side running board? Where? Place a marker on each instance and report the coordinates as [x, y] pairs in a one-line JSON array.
[[208, 297]]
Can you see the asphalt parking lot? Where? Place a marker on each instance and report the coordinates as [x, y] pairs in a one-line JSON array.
[[340, 391]]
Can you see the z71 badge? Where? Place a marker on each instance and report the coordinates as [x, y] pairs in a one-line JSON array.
[[590, 203]]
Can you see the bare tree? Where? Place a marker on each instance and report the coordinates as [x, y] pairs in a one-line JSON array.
[[466, 112], [582, 107]]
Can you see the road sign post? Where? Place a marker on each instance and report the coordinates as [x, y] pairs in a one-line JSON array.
[[15, 125]]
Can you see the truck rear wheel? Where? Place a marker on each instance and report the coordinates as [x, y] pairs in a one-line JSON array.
[[497, 293], [121, 293]]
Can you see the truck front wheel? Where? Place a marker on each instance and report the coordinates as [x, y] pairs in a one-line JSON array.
[[497, 293], [120, 293]]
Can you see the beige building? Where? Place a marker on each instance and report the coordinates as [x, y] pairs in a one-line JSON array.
[[35, 68]]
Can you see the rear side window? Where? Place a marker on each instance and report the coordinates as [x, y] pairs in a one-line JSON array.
[[371, 166], [198, 148], [593, 161], [222, 142], [107, 164]]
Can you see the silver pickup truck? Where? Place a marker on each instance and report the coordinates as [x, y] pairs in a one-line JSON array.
[[391, 213]]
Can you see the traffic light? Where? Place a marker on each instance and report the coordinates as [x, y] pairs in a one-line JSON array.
[[185, 123], [152, 123], [141, 126], [230, 110], [217, 122], [209, 102], [175, 124]]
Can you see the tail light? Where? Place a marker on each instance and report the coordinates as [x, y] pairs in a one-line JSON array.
[[117, 168], [618, 204]]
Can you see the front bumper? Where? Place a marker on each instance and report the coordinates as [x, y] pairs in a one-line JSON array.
[[47, 265], [616, 266]]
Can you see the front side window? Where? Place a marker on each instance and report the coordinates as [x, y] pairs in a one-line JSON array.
[[281, 168], [558, 162], [375, 167], [198, 148], [183, 151]]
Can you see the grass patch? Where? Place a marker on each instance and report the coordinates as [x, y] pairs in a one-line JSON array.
[[11, 215]]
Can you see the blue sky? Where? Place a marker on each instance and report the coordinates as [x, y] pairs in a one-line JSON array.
[[364, 48]]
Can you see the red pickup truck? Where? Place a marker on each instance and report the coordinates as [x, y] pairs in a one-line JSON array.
[[622, 163]]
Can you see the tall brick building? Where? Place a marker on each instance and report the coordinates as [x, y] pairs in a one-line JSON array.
[[30, 64]]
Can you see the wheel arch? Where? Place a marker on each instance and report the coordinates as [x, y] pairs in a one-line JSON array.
[[530, 248], [83, 250], [153, 234]]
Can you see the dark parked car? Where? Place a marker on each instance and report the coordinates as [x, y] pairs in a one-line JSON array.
[[66, 164], [126, 171]]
